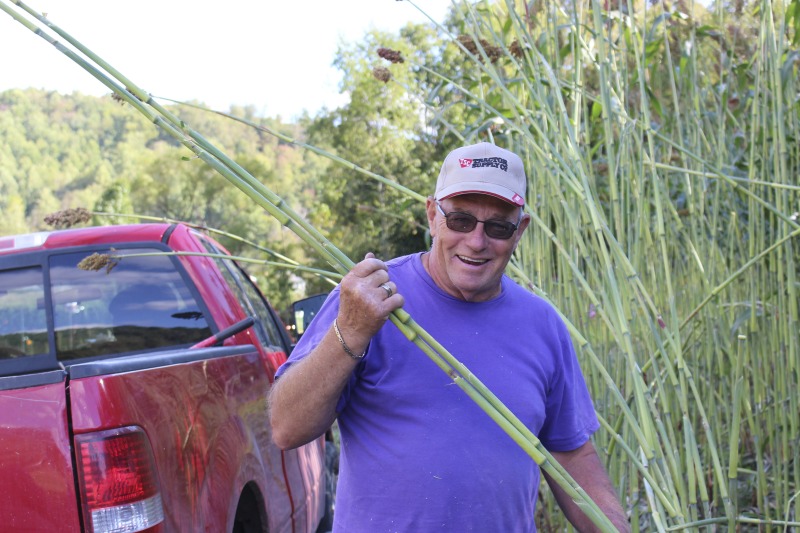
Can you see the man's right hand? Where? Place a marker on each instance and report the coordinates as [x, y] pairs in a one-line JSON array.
[[303, 401], [367, 298]]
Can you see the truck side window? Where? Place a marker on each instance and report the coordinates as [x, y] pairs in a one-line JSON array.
[[23, 320], [255, 297], [142, 303], [250, 299]]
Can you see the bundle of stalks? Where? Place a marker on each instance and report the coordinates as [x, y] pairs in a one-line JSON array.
[[140, 100]]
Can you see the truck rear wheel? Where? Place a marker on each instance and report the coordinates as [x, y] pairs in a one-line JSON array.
[[250, 516]]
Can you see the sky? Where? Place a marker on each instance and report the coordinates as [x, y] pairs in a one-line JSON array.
[[275, 55]]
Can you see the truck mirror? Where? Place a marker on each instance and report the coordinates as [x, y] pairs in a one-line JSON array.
[[304, 311]]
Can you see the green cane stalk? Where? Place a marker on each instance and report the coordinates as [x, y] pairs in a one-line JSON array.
[[238, 258]]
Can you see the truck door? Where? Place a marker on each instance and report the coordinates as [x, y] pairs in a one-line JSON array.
[[304, 467]]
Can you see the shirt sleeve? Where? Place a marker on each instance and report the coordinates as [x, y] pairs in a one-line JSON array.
[[570, 416]]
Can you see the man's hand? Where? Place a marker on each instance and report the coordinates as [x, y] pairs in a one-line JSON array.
[[366, 300], [303, 401]]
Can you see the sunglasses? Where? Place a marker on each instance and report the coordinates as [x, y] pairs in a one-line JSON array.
[[464, 223]]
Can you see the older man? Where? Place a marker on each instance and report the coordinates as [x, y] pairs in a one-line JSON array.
[[416, 453]]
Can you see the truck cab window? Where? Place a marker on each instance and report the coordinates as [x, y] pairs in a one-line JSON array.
[[23, 320], [250, 299], [142, 303], [257, 301]]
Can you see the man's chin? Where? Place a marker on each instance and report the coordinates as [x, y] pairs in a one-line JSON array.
[[474, 291]]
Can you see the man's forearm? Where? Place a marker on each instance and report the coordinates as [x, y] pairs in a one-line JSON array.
[[303, 400], [586, 469]]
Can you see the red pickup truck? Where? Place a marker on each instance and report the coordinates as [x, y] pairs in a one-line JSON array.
[[134, 397]]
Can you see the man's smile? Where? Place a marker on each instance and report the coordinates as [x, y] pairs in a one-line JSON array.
[[471, 261]]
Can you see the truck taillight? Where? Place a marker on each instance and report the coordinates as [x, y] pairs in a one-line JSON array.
[[118, 483]]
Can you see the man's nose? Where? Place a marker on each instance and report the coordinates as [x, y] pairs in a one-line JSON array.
[[477, 238]]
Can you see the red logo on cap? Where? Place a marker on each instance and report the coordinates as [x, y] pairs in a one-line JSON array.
[[465, 163], [517, 199]]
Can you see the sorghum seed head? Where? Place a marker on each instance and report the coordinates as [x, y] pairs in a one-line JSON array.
[[393, 56], [68, 217], [382, 74], [97, 261], [516, 49], [492, 52]]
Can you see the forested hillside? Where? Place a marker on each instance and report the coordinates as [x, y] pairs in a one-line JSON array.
[[59, 150], [73, 150]]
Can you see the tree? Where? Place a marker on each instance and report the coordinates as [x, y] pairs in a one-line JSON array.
[[384, 130]]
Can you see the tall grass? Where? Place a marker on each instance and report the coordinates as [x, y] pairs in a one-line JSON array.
[[663, 159]]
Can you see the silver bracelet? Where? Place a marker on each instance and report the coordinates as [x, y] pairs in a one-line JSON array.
[[344, 345]]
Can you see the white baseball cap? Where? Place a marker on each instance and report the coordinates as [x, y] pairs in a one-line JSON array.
[[483, 168]]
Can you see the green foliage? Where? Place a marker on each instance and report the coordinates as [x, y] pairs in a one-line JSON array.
[[382, 131], [64, 150]]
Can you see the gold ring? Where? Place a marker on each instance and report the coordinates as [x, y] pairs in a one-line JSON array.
[[388, 290]]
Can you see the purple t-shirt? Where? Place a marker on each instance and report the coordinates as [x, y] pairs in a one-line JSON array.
[[417, 454]]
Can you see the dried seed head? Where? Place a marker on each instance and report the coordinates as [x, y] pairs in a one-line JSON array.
[[97, 261], [382, 74], [516, 49], [492, 52], [467, 42], [68, 217], [393, 56]]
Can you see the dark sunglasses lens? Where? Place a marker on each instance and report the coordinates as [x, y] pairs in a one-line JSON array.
[[499, 230], [461, 222]]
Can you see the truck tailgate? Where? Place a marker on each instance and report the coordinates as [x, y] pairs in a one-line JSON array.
[[205, 412], [37, 485]]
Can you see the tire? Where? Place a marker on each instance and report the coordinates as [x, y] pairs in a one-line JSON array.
[[249, 514]]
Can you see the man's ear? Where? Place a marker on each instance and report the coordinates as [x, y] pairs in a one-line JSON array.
[[526, 219], [523, 224], [430, 209]]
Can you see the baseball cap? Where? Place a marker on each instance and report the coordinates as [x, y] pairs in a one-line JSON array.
[[482, 168]]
